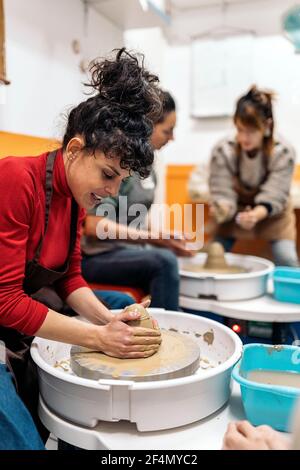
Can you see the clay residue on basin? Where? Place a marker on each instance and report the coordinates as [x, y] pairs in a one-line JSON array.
[[275, 348], [209, 337], [64, 364], [205, 364]]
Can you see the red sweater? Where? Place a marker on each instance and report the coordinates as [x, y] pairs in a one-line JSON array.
[[22, 224]]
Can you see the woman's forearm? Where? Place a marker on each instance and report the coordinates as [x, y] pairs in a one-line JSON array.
[[85, 303], [58, 327], [116, 339], [95, 226]]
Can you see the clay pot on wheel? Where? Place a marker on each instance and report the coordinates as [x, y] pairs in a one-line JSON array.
[[145, 320]]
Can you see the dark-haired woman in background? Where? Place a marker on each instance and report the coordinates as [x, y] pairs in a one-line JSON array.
[[250, 179], [154, 267], [43, 201]]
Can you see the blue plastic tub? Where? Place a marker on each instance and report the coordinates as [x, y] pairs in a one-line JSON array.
[[287, 284], [268, 404]]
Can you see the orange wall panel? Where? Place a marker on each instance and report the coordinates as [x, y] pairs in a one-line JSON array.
[[19, 145], [177, 177]]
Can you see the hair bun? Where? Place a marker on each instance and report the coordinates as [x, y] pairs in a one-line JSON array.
[[260, 97], [124, 82]]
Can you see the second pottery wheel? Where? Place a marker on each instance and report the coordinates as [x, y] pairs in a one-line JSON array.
[[215, 262]]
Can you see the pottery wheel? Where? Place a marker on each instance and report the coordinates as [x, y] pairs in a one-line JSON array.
[[178, 356], [215, 263], [200, 269]]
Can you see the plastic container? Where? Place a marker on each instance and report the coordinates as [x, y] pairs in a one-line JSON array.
[[268, 404], [227, 287], [287, 284]]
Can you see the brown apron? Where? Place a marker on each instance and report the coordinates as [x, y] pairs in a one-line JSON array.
[[278, 227], [37, 283]]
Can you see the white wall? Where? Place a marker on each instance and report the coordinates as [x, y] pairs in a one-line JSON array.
[[275, 66], [262, 16], [152, 44], [43, 69], [193, 138], [46, 80]]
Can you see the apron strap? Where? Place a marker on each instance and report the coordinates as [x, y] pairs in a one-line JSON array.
[[48, 196], [73, 227], [49, 185]]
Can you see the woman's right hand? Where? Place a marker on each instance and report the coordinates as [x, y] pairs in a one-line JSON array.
[[117, 339], [177, 242]]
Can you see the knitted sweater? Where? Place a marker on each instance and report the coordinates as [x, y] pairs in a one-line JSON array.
[[272, 180]]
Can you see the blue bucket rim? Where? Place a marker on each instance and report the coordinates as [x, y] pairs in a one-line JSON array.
[[275, 389], [287, 269]]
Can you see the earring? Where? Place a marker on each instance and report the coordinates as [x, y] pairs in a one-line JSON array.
[[72, 157], [267, 133]]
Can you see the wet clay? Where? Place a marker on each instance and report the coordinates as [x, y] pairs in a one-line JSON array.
[[279, 378], [178, 356], [145, 320], [215, 262]]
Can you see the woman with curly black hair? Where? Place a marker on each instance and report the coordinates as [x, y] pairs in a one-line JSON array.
[[148, 258], [43, 204]]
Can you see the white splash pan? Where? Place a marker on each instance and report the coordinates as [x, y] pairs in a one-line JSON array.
[[151, 405], [248, 285]]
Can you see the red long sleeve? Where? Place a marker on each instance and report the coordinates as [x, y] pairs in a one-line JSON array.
[[22, 224]]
